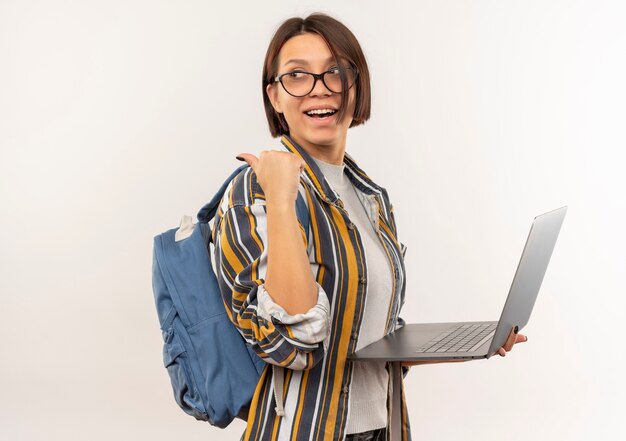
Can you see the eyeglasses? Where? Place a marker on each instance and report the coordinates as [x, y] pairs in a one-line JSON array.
[[299, 83]]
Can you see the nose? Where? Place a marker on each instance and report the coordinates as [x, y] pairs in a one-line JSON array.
[[319, 88]]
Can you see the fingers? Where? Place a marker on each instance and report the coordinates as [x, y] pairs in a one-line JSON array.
[[510, 341], [513, 339]]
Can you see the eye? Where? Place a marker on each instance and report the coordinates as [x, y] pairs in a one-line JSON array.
[[333, 70], [296, 75]]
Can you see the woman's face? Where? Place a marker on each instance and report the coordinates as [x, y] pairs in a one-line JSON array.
[[309, 53]]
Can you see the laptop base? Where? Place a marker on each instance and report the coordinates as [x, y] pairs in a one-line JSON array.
[[402, 345]]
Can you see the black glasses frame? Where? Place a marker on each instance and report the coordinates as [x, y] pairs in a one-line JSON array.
[[319, 76]]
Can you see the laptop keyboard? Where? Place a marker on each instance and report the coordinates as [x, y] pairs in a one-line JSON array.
[[463, 338]]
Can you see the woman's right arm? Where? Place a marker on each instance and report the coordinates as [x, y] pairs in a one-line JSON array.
[[289, 278], [288, 326]]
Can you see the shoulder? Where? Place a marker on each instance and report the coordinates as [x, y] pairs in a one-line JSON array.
[[243, 190]]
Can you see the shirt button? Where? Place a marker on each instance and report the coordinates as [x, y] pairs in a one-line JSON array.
[[339, 203], [351, 226], [362, 280], [355, 335], [345, 390]]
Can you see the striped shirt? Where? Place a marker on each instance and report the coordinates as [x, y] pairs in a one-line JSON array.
[[311, 347]]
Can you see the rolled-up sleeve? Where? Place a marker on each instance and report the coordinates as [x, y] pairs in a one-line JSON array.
[[292, 341]]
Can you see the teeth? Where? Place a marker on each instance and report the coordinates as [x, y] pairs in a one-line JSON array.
[[320, 111]]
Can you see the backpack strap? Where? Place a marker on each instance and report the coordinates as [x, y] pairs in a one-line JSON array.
[[303, 214], [207, 212]]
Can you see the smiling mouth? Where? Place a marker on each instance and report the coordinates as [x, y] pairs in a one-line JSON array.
[[320, 113]]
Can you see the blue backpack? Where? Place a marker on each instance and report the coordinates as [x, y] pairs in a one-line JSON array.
[[213, 371]]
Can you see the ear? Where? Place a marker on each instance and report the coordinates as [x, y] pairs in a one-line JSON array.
[[272, 93]]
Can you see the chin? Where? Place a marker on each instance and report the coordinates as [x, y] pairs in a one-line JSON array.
[[321, 140], [322, 137]]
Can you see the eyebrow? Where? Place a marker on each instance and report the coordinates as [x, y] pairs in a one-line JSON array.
[[301, 61]]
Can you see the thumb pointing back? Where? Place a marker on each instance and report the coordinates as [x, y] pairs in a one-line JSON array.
[[249, 158]]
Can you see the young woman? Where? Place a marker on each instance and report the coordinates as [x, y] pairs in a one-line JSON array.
[[305, 301]]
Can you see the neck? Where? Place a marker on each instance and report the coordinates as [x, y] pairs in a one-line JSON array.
[[330, 153]]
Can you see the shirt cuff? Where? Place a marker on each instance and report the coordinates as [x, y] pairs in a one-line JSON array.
[[309, 327]]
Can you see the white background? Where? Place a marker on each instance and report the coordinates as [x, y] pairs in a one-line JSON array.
[[118, 117]]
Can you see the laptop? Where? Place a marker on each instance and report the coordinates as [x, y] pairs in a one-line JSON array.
[[474, 340]]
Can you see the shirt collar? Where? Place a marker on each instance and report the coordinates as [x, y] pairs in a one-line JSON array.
[[315, 176]]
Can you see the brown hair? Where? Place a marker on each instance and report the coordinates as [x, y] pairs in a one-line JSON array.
[[342, 44]]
